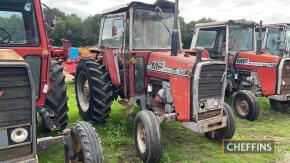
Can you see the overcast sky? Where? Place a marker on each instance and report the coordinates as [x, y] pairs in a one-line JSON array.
[[270, 11]]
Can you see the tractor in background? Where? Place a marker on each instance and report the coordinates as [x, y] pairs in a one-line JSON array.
[[30, 81], [250, 72], [139, 61], [275, 39]]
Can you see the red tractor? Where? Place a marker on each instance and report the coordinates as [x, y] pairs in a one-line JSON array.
[[275, 39], [250, 73], [138, 60], [30, 81]]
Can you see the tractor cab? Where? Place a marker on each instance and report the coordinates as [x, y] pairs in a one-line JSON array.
[[138, 26], [225, 37], [275, 39], [133, 32], [22, 30]]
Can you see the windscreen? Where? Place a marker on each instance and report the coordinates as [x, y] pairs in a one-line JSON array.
[[206, 39], [275, 41], [18, 23], [149, 29], [241, 38]]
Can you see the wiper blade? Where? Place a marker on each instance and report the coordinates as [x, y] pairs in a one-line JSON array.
[[163, 21]]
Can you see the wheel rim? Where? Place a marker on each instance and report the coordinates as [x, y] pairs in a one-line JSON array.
[[83, 90], [242, 107], [141, 137]]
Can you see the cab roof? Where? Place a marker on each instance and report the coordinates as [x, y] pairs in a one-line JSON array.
[[224, 23], [163, 4], [277, 25]]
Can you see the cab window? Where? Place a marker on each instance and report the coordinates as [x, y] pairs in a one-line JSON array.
[[206, 39], [275, 41], [113, 32], [18, 24]]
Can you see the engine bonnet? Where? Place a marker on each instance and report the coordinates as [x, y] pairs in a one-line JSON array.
[[165, 63], [8, 54]]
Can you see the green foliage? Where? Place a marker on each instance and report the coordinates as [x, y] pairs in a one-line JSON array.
[[187, 30], [72, 27], [86, 32]]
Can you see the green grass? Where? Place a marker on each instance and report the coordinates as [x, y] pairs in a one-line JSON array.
[[180, 144]]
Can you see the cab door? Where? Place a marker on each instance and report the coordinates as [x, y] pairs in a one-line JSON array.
[[22, 23]]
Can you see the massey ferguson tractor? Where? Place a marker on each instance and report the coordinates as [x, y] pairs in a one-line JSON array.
[[275, 39], [250, 73], [30, 80], [138, 60]]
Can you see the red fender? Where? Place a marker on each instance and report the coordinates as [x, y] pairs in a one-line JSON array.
[[112, 67]]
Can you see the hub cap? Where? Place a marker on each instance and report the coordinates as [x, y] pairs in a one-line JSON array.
[[141, 137], [242, 107], [83, 90]]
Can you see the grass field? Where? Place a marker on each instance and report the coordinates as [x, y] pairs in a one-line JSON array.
[[180, 144]]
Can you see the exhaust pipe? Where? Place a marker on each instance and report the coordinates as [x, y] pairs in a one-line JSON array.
[[259, 40], [175, 32]]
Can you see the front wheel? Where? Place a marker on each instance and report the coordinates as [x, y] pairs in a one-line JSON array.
[[227, 132], [84, 145], [147, 135], [246, 105], [280, 106]]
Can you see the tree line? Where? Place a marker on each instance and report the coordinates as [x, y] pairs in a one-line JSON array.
[[86, 32]]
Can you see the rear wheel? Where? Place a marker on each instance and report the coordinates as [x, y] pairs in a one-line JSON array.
[[56, 101], [147, 137], [227, 132], [93, 90], [85, 144], [280, 106], [246, 105]]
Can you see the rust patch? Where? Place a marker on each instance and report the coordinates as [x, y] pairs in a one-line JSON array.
[[9, 54]]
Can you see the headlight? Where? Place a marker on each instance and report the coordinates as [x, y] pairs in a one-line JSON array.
[[283, 82], [19, 135]]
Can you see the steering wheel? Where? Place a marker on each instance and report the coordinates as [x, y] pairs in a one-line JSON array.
[[8, 37]]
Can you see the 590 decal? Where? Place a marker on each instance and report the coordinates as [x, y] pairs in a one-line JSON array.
[[161, 67], [246, 61]]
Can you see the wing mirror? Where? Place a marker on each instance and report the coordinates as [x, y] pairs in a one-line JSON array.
[[49, 17]]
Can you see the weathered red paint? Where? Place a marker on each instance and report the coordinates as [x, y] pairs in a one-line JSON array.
[[112, 67], [267, 75], [43, 50], [180, 87], [70, 67], [179, 61]]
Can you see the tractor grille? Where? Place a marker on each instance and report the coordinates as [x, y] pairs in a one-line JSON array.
[[211, 81], [15, 110], [15, 103], [285, 89]]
